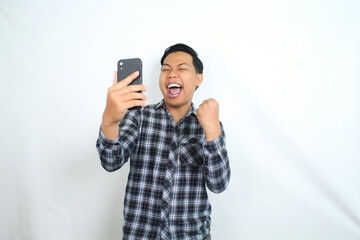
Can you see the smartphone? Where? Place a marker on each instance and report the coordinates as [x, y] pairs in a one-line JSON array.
[[126, 67]]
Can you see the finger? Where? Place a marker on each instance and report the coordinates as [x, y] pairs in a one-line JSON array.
[[134, 103], [127, 89], [120, 96], [133, 96], [115, 78], [136, 88], [126, 81]]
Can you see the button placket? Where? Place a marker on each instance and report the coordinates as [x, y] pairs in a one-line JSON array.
[[168, 185]]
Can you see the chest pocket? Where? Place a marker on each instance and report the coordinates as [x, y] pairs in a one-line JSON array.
[[191, 152]]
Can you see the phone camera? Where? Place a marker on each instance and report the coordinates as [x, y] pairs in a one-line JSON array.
[[121, 63]]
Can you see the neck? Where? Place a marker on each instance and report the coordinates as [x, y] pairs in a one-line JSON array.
[[178, 112]]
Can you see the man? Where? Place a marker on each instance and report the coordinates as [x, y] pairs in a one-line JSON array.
[[174, 150]]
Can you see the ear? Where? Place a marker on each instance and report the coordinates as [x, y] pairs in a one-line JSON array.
[[199, 79]]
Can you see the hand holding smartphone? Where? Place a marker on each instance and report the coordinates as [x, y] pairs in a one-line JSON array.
[[126, 67], [123, 95]]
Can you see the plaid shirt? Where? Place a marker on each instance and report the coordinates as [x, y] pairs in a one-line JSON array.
[[170, 164]]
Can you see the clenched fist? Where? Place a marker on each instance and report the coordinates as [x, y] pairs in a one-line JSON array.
[[121, 96], [208, 117]]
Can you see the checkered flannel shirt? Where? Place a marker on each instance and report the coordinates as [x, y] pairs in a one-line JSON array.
[[170, 165]]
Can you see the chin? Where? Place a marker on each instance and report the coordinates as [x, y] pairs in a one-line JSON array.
[[175, 103], [172, 103]]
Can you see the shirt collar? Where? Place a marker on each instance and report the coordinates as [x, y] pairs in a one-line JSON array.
[[160, 104]]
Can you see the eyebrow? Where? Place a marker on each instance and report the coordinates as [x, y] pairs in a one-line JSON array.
[[165, 64]]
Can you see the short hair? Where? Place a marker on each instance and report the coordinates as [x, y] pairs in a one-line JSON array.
[[180, 47]]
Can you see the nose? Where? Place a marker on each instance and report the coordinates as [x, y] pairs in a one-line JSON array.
[[172, 74]]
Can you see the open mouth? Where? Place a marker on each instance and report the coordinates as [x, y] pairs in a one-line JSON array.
[[174, 90]]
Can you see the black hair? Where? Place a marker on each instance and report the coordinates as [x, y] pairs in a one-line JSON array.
[[180, 47]]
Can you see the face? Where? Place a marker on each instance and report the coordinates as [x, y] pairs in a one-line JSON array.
[[178, 80]]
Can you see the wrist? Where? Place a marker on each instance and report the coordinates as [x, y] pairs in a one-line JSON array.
[[107, 120], [110, 129], [108, 124], [212, 133]]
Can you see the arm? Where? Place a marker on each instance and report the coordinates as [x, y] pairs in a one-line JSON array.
[[119, 99], [217, 168], [115, 153], [119, 128]]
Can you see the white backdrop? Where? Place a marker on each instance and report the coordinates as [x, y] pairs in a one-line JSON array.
[[286, 74]]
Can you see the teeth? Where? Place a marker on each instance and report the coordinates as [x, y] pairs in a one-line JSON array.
[[173, 85]]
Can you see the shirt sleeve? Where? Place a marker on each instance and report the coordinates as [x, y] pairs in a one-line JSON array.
[[217, 167], [115, 153]]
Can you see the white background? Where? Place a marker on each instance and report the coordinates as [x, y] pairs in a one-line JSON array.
[[286, 74]]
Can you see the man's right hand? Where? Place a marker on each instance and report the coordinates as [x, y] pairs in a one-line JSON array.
[[121, 96]]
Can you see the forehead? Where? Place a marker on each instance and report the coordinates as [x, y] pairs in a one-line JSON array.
[[175, 58]]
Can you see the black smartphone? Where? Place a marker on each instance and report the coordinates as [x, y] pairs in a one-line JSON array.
[[126, 67]]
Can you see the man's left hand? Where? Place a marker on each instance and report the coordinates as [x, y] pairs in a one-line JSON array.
[[208, 117]]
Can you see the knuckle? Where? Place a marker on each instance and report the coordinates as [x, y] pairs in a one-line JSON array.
[[143, 96], [212, 100]]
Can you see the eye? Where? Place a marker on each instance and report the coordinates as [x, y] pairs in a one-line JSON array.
[[165, 69], [183, 69]]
